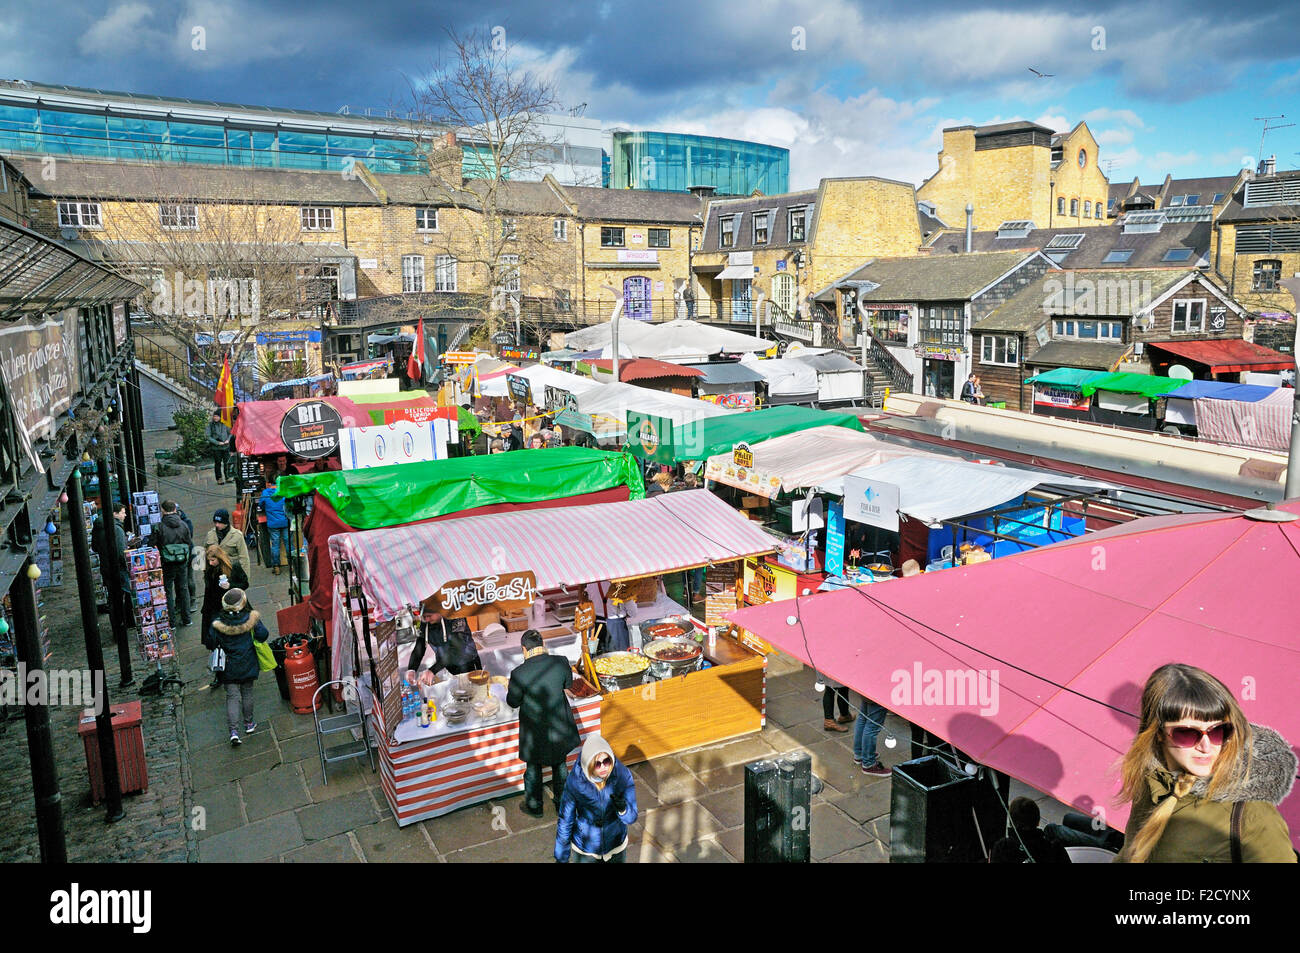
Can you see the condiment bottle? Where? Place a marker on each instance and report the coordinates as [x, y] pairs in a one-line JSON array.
[[433, 711]]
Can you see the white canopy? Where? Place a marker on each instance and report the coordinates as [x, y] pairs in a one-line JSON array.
[[616, 399], [933, 490], [671, 341], [541, 375], [786, 377], [806, 458]]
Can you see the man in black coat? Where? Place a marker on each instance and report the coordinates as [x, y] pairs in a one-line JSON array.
[[547, 731], [175, 539]]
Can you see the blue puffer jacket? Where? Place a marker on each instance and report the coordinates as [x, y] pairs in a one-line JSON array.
[[234, 632], [589, 820], [276, 517]]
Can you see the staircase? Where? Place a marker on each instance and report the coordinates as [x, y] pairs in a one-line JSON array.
[[887, 374], [167, 369]]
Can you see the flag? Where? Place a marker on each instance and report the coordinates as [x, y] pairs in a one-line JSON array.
[[225, 393], [415, 363]]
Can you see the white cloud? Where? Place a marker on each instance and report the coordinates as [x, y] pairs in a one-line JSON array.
[[1126, 116], [235, 33], [1113, 137], [123, 29]]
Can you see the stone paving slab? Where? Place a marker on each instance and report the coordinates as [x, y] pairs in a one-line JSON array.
[[222, 810], [279, 789], [675, 826], [259, 840], [213, 771], [834, 832], [385, 842], [350, 778], [320, 821], [468, 827], [338, 849], [706, 850], [535, 846]]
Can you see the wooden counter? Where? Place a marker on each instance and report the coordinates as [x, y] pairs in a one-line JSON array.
[[699, 708]]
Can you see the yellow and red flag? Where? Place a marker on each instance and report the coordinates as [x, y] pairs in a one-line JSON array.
[[225, 393]]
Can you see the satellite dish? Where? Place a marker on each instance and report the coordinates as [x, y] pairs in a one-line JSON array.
[[1179, 372], [68, 234]]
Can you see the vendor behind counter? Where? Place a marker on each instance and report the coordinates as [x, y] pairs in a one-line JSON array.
[[452, 643]]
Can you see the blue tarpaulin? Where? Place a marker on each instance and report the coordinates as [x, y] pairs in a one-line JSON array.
[[1221, 390]]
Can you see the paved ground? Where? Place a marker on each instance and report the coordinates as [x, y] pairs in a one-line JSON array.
[[266, 801]]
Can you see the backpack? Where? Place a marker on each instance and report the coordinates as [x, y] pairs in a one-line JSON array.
[[175, 553]]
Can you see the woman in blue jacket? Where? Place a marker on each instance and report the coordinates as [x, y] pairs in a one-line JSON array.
[[277, 526], [598, 805]]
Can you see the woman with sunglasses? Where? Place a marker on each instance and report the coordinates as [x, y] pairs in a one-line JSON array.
[[1204, 782], [598, 805]]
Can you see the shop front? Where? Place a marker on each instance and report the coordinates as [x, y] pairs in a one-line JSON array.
[[942, 370], [665, 682]]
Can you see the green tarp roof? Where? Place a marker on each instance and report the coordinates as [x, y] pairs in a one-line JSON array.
[[466, 421], [1070, 378], [400, 397], [701, 439], [1148, 385], [409, 492]]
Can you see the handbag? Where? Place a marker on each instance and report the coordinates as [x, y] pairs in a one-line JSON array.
[[217, 661], [265, 658]]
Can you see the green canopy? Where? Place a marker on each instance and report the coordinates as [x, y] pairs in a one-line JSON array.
[[409, 492], [1066, 378], [467, 422], [701, 439], [1148, 385], [398, 397]]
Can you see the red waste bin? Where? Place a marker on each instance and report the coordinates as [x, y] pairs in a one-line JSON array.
[[128, 736]]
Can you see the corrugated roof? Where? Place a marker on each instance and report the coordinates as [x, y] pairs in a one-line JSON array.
[[645, 368], [731, 372]]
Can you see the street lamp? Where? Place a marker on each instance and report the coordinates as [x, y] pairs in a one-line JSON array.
[[613, 323]]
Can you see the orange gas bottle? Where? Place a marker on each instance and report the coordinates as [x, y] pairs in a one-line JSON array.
[[300, 668]]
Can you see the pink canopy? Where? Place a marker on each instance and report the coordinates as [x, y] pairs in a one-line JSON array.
[[1067, 635], [257, 430]]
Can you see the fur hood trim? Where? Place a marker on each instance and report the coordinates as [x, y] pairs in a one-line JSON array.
[[228, 626]]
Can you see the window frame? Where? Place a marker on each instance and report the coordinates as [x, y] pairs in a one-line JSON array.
[[767, 229], [1098, 211], [180, 218], [424, 211], [802, 212], [1255, 284], [1074, 208], [665, 233], [441, 264], [1087, 208], [989, 345], [560, 229], [82, 214], [317, 214], [410, 278], [1187, 325], [607, 236], [509, 229], [511, 284], [1060, 205], [1126, 252], [726, 231]]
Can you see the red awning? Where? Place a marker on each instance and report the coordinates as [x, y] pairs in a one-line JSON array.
[[257, 429], [646, 368], [1228, 355], [1034, 663]]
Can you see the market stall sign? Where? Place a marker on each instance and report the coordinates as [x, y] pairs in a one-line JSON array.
[[767, 583], [399, 442], [873, 502], [520, 388], [932, 352], [742, 455], [505, 592], [584, 617], [650, 437], [1060, 398], [459, 357], [557, 399], [520, 354], [745, 401], [760, 482], [835, 538], [311, 429]]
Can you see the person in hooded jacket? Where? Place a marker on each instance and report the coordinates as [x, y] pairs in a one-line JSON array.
[[547, 731], [175, 540], [1204, 782], [228, 538], [234, 630], [277, 526], [599, 804]]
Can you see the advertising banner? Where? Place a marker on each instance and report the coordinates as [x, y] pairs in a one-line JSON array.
[[650, 437], [399, 442], [1063, 399], [40, 368], [873, 502]]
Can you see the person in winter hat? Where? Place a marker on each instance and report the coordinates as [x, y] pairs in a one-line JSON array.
[[234, 631], [598, 805], [230, 539]]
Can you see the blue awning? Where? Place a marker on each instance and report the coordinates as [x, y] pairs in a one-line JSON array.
[[1221, 390]]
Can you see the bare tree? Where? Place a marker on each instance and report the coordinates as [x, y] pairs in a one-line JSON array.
[[491, 114]]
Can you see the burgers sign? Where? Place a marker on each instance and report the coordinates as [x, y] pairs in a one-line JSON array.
[[311, 429]]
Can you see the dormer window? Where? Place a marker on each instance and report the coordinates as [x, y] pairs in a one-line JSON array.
[[727, 232]]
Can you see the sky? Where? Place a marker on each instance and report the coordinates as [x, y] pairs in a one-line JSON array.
[[851, 88]]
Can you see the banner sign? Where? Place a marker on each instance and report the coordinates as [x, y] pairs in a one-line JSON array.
[[742, 455], [399, 442], [1060, 398], [119, 324], [40, 368], [459, 357], [650, 437], [520, 354], [311, 429], [558, 399], [935, 352], [744, 401], [767, 583], [873, 502], [363, 369], [835, 538], [520, 388], [505, 592]]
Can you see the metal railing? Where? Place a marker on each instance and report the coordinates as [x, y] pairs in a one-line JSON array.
[[888, 367]]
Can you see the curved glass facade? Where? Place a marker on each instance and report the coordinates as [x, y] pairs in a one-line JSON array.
[[674, 162]]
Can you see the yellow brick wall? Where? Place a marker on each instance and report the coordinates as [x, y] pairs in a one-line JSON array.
[[674, 261], [1002, 184], [1086, 184], [1240, 272], [858, 219]]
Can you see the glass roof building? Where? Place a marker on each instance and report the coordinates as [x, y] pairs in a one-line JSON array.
[[675, 162]]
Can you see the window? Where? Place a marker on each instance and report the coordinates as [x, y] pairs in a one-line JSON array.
[[509, 229], [1087, 208], [412, 273], [563, 301], [1267, 273], [1189, 317], [1060, 205], [783, 293], [726, 232], [1074, 208], [760, 228], [659, 238], [1117, 256], [508, 271], [1177, 254], [444, 273], [426, 219], [943, 326], [798, 217], [560, 229], [1096, 207], [1083, 158], [890, 324], [178, 216], [1218, 197], [999, 349], [1192, 200], [1176, 200], [1110, 204], [1112, 331], [79, 215], [611, 237], [317, 219]]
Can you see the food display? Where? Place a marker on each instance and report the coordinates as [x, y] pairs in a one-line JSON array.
[[664, 630], [672, 650], [620, 664]]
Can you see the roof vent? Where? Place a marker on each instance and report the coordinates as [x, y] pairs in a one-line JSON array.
[[1015, 229], [1269, 513], [1143, 222]]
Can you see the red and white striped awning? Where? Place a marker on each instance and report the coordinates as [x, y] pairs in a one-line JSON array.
[[401, 566]]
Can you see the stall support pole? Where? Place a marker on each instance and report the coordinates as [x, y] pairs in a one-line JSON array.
[[124, 482], [40, 746], [112, 573], [95, 654], [137, 427]]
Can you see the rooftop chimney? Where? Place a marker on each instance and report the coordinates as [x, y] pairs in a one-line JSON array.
[[1268, 166], [702, 191], [970, 224]]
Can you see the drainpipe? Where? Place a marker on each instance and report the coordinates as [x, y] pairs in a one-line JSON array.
[[970, 220]]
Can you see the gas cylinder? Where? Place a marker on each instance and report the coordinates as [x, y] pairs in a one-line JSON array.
[[300, 669]]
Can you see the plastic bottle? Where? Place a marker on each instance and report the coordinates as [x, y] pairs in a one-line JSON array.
[[433, 711]]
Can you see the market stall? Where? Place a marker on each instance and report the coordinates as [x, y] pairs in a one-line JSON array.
[[679, 694], [602, 411]]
